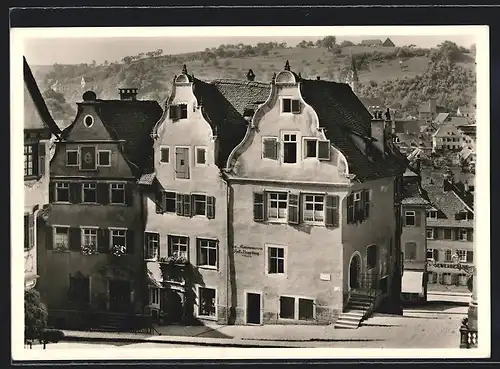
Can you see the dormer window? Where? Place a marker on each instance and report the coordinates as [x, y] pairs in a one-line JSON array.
[[179, 111], [432, 214], [88, 121], [464, 215], [289, 105]]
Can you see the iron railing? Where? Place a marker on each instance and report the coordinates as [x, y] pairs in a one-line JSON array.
[[468, 336], [370, 285]]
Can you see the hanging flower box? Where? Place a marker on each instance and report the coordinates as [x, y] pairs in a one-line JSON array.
[[118, 250], [89, 249], [178, 260]]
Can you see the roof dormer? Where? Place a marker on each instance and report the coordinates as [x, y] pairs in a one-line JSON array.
[[184, 78], [286, 77]]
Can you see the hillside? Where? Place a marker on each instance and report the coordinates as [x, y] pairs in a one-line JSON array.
[[395, 74]]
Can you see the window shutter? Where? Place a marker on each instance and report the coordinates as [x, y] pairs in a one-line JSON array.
[[103, 240], [173, 112], [295, 106], [160, 202], [103, 193], [165, 151], [210, 207], [41, 158], [129, 194], [366, 203], [293, 208], [470, 235], [404, 218], [75, 240], [52, 192], [75, 193], [435, 254], [350, 208], [417, 218], [187, 211], [470, 256], [130, 241], [258, 207], [49, 238], [324, 150], [31, 233], [332, 211], [270, 149], [178, 203]]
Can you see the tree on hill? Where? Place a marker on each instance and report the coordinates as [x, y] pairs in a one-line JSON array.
[[346, 43], [57, 105], [329, 42]]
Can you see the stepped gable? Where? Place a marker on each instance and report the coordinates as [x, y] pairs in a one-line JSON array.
[[228, 104], [131, 121], [341, 113]]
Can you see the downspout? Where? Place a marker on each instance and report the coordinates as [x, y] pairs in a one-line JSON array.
[[228, 259]]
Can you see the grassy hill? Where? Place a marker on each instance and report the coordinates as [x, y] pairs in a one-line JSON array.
[[383, 71]]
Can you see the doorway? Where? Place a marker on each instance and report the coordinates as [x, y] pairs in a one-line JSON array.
[[253, 308], [354, 272], [119, 295]]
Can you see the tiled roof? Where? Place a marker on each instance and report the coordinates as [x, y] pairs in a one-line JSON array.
[[30, 116], [371, 102], [411, 194], [444, 129], [466, 109], [341, 113], [224, 102], [441, 117], [371, 42], [147, 179], [131, 121]]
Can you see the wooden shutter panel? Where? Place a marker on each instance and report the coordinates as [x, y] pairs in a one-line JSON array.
[[160, 202], [332, 211], [182, 162], [403, 213], [75, 240], [187, 211], [293, 208], [350, 208], [470, 256], [103, 240], [270, 148], [210, 207], [165, 154], [258, 207], [129, 194], [324, 150], [295, 106], [75, 193], [173, 112], [470, 235], [366, 203], [417, 218], [49, 242], [41, 158], [130, 241], [52, 192], [179, 203], [31, 228], [103, 193], [435, 255]]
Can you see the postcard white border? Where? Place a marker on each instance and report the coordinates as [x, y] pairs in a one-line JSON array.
[[482, 233]]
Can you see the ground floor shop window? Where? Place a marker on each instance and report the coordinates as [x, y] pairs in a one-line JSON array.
[[296, 308], [432, 277], [206, 306], [446, 278], [462, 279]]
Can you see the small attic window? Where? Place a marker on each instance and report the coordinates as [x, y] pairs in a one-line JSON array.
[[182, 79], [285, 77], [88, 121]]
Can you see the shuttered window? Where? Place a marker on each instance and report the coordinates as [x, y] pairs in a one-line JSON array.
[[293, 208], [258, 207], [324, 150], [332, 211], [270, 148], [210, 207]]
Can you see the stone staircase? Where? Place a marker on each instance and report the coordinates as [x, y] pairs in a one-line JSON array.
[[113, 322], [357, 309]]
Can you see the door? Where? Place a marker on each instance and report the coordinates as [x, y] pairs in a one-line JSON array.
[[119, 296], [172, 306], [354, 270], [253, 308], [182, 162]]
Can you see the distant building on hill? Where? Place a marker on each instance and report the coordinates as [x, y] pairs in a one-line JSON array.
[[388, 43], [371, 43]]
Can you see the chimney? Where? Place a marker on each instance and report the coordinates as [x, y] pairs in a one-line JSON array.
[[250, 75], [128, 93], [378, 132], [432, 105]]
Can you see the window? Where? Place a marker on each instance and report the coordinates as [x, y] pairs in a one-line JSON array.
[[276, 260], [430, 233], [88, 121], [447, 234], [119, 239], [170, 202], [89, 192], [165, 155], [104, 158], [178, 246], [290, 106], [447, 255], [410, 218], [207, 303], [62, 192], [289, 148], [270, 148], [152, 251], [296, 308], [410, 251], [154, 296], [462, 279], [314, 208], [61, 238], [182, 162], [306, 309], [30, 160], [287, 307], [89, 238], [470, 256], [199, 204], [201, 156], [311, 148], [88, 158], [432, 214], [462, 255], [277, 206], [462, 234], [430, 254], [371, 256], [72, 158], [117, 193], [366, 204], [464, 215], [207, 252]]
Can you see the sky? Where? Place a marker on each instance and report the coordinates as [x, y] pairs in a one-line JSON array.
[[85, 50]]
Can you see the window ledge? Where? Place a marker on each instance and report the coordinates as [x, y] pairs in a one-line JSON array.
[[31, 178], [63, 202], [207, 317], [151, 259], [90, 203], [117, 204], [277, 221], [277, 275], [208, 267], [61, 251]]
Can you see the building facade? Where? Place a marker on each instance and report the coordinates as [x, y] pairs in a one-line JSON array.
[[309, 204], [38, 130], [93, 257], [447, 138]]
